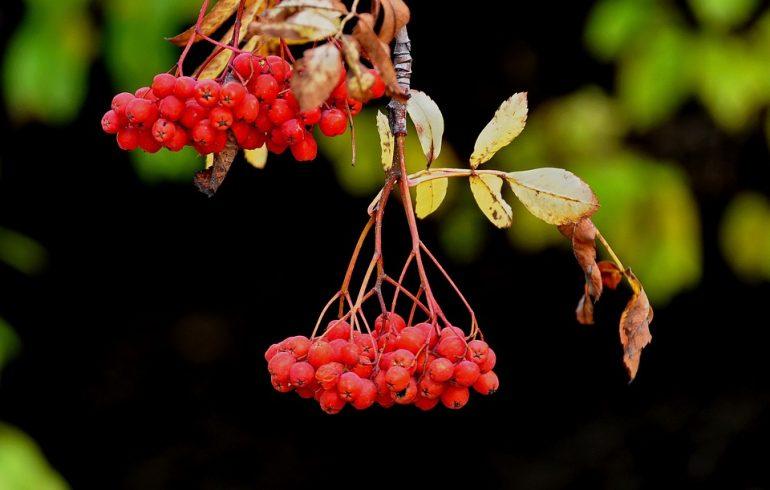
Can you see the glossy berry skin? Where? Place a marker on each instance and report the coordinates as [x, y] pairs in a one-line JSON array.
[[313, 116], [139, 111], [171, 107], [487, 383], [477, 351], [331, 402], [490, 362], [455, 397], [320, 353], [298, 346], [207, 93], [179, 140], [293, 131], [430, 389], [364, 368], [392, 322], [232, 94], [349, 386], [451, 347], [301, 374], [248, 109], [378, 88], [426, 404], [271, 351], [366, 396], [349, 354], [337, 329], [280, 365], [403, 358], [280, 112], [397, 378], [145, 93], [441, 370], [305, 150], [333, 122], [280, 385], [265, 87], [279, 68], [221, 118], [430, 333], [465, 374], [245, 65], [408, 394], [203, 133], [128, 139], [184, 87], [328, 374], [451, 332], [193, 114], [163, 85], [147, 141], [411, 339], [163, 131], [254, 139], [110, 122], [120, 101]]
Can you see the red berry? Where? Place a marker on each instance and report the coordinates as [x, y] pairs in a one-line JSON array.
[[368, 346], [298, 346], [403, 358], [411, 339], [293, 131], [279, 68], [147, 141], [430, 389], [340, 92], [331, 402], [207, 93], [455, 397], [364, 367], [280, 365], [171, 107], [184, 87], [441, 370], [220, 140], [397, 378], [308, 118], [487, 383], [389, 322], [320, 353], [278, 138], [366, 396], [221, 118], [163, 131], [337, 345], [301, 374], [328, 374], [280, 385], [466, 373], [140, 111], [453, 348], [349, 386], [247, 109], [128, 138], [477, 351], [305, 150], [378, 89], [276, 147], [271, 351], [451, 332], [110, 122], [333, 122], [203, 133], [179, 140], [193, 114], [289, 97], [163, 85], [304, 392], [280, 112], [120, 101], [255, 139], [349, 104], [245, 65], [407, 395], [265, 87], [337, 329], [232, 94], [145, 93], [430, 333], [425, 404], [489, 364], [349, 354]]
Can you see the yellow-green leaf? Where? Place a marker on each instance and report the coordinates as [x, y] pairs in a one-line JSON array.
[[507, 123], [257, 158], [486, 190], [386, 140], [209, 160], [428, 122], [554, 195], [218, 14], [430, 195]]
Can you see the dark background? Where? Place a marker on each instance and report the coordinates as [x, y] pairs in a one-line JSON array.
[[142, 342]]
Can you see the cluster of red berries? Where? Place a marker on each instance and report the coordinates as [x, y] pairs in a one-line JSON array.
[[420, 365], [257, 105]]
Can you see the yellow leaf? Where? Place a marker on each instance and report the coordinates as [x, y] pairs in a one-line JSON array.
[[315, 75], [304, 26], [507, 123], [554, 195], [430, 195], [386, 140], [209, 160], [217, 16], [428, 122], [316, 4], [219, 63], [257, 158], [486, 190]]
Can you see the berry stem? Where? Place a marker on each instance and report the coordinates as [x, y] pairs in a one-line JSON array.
[[190, 41], [352, 265]]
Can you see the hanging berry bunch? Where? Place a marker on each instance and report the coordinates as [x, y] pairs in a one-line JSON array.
[[251, 93]]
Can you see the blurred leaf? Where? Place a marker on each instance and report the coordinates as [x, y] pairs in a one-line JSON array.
[[653, 77], [21, 252], [745, 236], [167, 166], [9, 345], [45, 71], [723, 14], [463, 231], [23, 466], [613, 24]]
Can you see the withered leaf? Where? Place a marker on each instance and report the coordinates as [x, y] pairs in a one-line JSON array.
[[428, 121], [377, 52], [315, 4], [635, 326], [209, 180], [305, 26], [219, 13], [611, 274], [429, 196], [507, 123], [387, 140], [554, 195], [395, 15], [585, 309], [486, 190], [315, 75], [583, 236]]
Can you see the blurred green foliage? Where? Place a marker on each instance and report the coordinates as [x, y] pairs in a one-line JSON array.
[[9, 344], [746, 236], [21, 252], [22, 465]]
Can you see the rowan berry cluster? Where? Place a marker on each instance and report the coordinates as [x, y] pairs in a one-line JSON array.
[[420, 365], [256, 105]]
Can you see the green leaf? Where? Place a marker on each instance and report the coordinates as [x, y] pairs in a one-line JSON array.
[[21, 252], [614, 24], [166, 166], [745, 236], [723, 14], [23, 465], [9, 344]]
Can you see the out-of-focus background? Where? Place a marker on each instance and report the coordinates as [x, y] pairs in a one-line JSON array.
[[135, 311]]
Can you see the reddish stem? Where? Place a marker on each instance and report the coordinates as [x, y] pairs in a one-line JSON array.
[[190, 41]]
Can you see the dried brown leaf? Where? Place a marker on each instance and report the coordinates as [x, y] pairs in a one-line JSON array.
[[209, 180], [315, 75], [583, 236], [219, 13], [395, 15], [635, 326], [307, 25], [377, 52], [611, 274], [585, 309]]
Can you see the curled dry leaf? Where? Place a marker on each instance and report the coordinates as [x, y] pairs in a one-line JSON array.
[[257, 158], [583, 236], [377, 52], [428, 122], [429, 196], [554, 195], [487, 192], [386, 140], [507, 123], [395, 15], [635, 326], [611, 274], [585, 309], [315, 75], [219, 13], [305, 26], [314, 4], [209, 180]]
